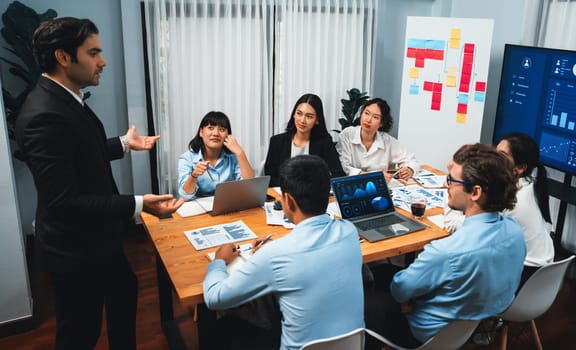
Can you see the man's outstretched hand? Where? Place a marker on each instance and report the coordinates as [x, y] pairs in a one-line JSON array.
[[161, 205]]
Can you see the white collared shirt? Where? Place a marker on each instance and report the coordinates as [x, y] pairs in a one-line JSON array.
[[79, 98], [385, 150]]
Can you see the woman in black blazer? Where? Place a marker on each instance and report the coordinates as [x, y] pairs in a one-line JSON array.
[[306, 133]]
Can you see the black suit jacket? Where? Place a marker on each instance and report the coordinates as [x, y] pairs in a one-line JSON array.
[[281, 146], [79, 216]]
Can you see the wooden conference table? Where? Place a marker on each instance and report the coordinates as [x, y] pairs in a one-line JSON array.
[[181, 268]]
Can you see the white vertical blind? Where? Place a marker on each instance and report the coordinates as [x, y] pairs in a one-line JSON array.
[[251, 59], [322, 47], [204, 56]]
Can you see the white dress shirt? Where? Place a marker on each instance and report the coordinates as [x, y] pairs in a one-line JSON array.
[[385, 150]]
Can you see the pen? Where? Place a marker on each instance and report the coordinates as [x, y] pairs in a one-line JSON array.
[[207, 169], [266, 239], [210, 175]]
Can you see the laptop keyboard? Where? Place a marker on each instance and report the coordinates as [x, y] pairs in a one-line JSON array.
[[378, 222]]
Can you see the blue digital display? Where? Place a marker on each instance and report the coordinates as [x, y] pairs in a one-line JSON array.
[[538, 97], [360, 195]]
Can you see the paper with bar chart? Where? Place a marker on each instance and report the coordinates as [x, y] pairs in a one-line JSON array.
[[444, 85]]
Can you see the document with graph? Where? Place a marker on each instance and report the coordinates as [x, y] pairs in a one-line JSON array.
[[212, 236]]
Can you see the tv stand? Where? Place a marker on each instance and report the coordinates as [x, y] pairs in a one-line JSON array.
[[567, 195]]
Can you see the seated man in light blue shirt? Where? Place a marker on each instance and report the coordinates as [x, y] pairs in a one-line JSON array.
[[472, 274], [314, 272]]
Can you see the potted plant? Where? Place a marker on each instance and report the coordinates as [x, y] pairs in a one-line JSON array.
[[20, 22], [351, 106]]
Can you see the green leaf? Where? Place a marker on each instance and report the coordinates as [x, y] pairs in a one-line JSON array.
[[20, 22]]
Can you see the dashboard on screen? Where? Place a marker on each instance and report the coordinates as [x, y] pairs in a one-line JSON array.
[[538, 97]]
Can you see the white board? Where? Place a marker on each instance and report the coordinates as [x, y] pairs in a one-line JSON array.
[[443, 85]]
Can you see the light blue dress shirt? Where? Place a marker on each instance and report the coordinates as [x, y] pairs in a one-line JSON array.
[[469, 275], [315, 274], [226, 169]]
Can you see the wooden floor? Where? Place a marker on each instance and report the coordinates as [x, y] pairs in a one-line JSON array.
[[557, 327]]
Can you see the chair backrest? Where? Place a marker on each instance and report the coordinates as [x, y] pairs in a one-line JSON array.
[[353, 340], [538, 293], [451, 337]]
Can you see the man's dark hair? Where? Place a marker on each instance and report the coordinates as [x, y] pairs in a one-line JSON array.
[[483, 166], [66, 33], [307, 179]]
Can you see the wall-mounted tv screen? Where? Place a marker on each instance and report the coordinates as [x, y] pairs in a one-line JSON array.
[[538, 97]]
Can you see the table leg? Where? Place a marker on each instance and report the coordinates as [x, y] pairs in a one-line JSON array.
[[169, 325]]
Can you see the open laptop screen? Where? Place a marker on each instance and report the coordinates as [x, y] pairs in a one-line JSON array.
[[362, 195]]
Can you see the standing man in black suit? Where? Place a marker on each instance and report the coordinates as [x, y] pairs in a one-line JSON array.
[[80, 215]]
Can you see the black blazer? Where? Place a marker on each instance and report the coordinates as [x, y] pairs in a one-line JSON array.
[[281, 146], [79, 216]]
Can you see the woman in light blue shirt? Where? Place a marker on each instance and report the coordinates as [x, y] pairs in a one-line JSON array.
[[213, 156]]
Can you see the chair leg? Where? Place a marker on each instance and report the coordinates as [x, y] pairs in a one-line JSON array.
[[504, 336], [535, 334]]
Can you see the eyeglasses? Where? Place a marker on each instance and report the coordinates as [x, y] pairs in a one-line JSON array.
[[450, 180]]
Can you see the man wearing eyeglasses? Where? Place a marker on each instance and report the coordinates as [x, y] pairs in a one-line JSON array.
[[473, 273]]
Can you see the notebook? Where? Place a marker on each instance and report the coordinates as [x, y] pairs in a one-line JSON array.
[[238, 195], [365, 201]]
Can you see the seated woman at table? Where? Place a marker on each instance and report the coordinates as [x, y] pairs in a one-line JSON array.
[[213, 156], [306, 133], [532, 211], [368, 147]]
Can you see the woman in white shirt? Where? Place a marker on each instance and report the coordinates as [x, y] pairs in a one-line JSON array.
[[532, 210], [368, 147]]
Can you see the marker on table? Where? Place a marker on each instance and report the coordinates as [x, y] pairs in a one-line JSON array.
[[266, 239]]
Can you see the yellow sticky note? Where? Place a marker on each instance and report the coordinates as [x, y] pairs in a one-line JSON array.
[[454, 43], [414, 72], [450, 80], [455, 33], [460, 118]]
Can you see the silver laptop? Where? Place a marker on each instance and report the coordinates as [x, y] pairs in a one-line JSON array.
[[365, 201], [238, 195]]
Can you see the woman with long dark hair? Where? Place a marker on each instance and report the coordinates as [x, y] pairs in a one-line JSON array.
[[306, 133], [532, 210]]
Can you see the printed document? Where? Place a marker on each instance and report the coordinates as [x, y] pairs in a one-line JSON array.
[[212, 236]]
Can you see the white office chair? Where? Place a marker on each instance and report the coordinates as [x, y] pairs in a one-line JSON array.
[[451, 337], [353, 340], [535, 297]]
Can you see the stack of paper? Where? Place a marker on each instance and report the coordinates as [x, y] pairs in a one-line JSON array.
[[245, 254], [212, 236], [429, 180], [197, 206]]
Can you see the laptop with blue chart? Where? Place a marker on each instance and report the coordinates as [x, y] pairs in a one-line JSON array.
[[365, 201]]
